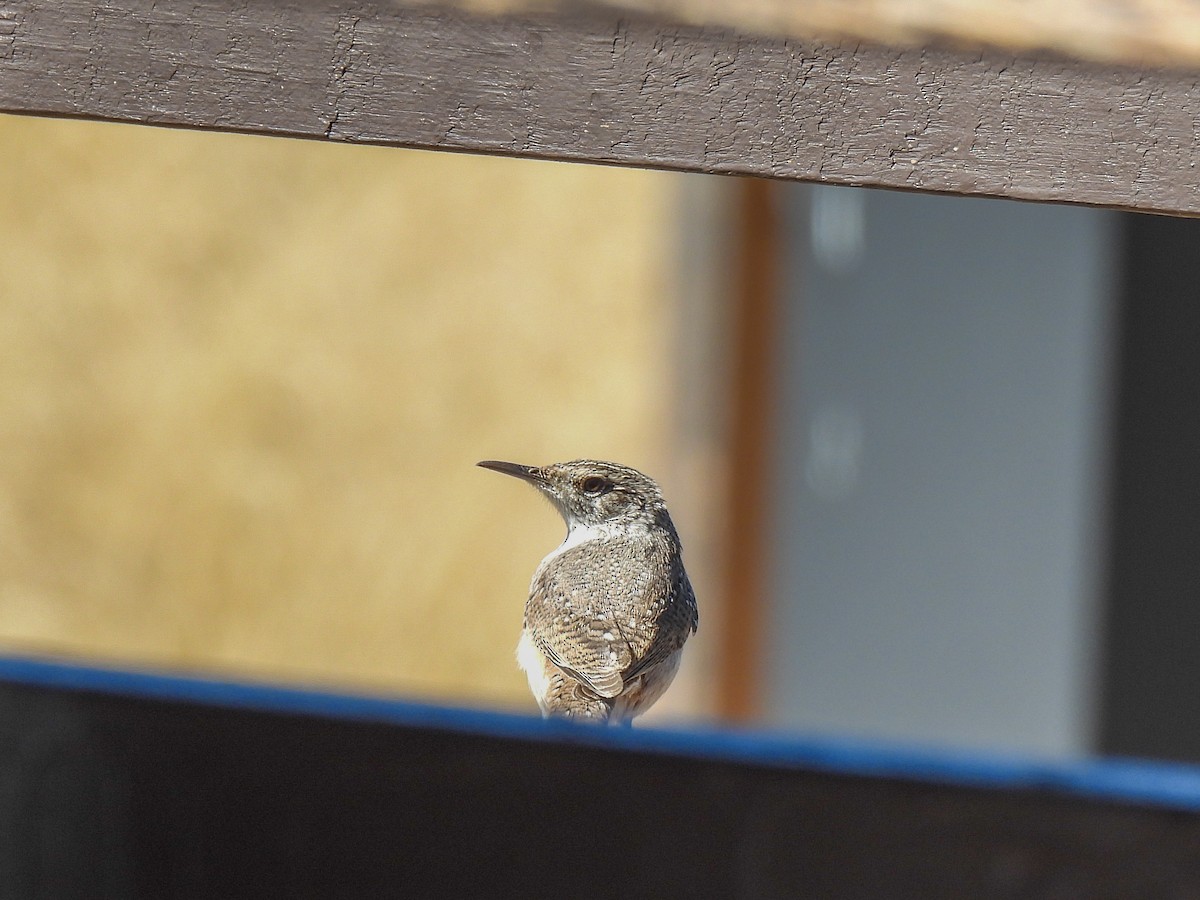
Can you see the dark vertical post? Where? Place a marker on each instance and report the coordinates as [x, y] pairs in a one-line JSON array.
[[755, 322], [1151, 645]]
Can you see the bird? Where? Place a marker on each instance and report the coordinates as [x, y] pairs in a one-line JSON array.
[[611, 607]]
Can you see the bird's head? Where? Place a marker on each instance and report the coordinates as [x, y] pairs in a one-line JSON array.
[[590, 493]]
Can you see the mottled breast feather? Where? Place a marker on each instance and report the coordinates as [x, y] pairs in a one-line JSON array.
[[600, 625]]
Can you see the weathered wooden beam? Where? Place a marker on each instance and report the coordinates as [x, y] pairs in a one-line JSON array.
[[597, 89]]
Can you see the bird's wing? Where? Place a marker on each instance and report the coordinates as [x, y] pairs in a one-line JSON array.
[[599, 613], [677, 622]]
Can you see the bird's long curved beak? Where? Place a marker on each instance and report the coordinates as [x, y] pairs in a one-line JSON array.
[[525, 473]]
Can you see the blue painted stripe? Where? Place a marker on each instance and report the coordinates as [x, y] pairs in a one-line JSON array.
[[1119, 780]]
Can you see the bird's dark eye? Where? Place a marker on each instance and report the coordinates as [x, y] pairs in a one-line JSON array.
[[594, 485]]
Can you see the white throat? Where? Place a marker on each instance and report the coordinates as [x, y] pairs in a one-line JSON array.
[[581, 534]]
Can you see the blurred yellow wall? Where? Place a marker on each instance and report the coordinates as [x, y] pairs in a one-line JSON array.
[[244, 381]]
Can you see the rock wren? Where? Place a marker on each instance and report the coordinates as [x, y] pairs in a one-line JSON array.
[[610, 608]]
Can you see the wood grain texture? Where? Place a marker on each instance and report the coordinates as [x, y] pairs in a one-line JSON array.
[[599, 89]]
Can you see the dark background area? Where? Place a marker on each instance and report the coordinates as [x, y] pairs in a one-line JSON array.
[[1151, 630]]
